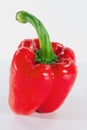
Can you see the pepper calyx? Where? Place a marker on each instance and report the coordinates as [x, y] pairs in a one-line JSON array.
[[46, 53]]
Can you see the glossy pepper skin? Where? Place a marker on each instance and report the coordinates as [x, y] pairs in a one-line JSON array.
[[42, 73]]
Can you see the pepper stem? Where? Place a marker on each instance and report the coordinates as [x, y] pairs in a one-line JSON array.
[[45, 54]]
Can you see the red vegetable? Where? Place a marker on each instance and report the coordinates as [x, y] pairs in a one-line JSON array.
[[42, 73]]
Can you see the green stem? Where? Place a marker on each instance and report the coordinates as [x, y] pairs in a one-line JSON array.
[[45, 54]]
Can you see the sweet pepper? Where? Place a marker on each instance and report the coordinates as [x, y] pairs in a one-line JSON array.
[[42, 72]]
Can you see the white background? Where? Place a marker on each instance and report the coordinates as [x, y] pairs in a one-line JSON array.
[[66, 22]]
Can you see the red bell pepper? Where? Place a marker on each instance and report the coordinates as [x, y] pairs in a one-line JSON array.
[[42, 73]]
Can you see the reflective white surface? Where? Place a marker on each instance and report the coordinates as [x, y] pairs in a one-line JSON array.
[[71, 115]]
